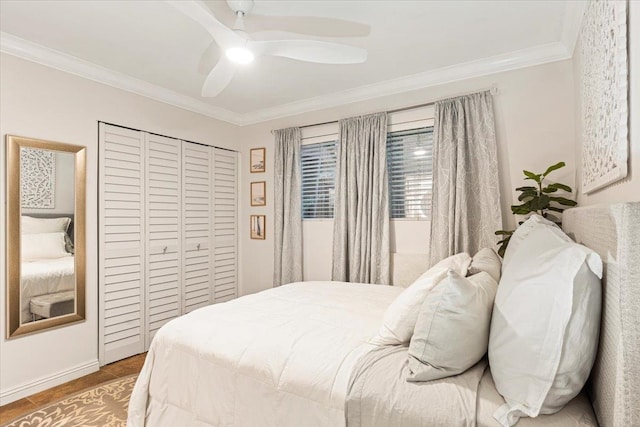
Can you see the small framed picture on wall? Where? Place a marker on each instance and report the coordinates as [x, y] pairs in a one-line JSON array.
[[258, 193], [258, 231], [257, 160]]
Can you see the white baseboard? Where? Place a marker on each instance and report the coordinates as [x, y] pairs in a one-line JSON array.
[[27, 389]]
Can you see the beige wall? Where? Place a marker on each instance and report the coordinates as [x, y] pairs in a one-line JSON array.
[[627, 189], [44, 103], [535, 127]]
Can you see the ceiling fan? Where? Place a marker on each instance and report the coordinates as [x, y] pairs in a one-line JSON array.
[[240, 48]]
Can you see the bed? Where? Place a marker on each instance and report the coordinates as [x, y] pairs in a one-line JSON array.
[[299, 355], [43, 276]]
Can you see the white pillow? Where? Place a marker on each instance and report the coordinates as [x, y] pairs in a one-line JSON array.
[[486, 260], [43, 246], [452, 330], [521, 233], [545, 323], [31, 225], [400, 317]]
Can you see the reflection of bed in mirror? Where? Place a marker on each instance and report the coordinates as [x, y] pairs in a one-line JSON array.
[[47, 279]]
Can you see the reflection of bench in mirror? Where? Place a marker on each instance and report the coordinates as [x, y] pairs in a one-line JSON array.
[[52, 305]]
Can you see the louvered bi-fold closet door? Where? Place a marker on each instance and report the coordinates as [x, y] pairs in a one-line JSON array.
[[197, 231], [225, 223], [121, 267], [163, 231]]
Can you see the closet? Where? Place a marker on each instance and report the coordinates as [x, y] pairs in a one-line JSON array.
[[167, 234]]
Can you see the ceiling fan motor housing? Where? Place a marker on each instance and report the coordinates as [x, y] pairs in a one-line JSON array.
[[243, 6]]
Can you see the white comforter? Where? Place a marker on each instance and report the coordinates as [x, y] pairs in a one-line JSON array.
[[42, 277], [279, 358]]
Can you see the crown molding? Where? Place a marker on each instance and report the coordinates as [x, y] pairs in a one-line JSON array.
[[34, 52], [551, 52], [572, 23], [537, 55]]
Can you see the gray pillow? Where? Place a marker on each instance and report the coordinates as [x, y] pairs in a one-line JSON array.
[[68, 244], [452, 331]]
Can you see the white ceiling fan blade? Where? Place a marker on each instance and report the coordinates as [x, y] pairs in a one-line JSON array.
[[209, 58], [218, 78], [320, 9], [199, 12], [309, 25], [310, 51]]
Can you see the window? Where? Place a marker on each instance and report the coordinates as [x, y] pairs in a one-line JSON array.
[[409, 167], [318, 165]]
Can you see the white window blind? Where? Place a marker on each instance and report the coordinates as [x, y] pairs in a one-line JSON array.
[[410, 171], [318, 167]]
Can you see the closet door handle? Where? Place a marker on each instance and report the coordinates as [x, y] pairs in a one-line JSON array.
[[198, 246], [164, 251]]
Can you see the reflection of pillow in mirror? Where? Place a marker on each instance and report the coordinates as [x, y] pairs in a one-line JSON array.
[[31, 225], [43, 246]]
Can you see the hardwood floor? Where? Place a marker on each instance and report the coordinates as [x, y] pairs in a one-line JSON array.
[[115, 370]]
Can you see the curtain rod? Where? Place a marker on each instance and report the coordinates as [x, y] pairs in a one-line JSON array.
[[493, 89]]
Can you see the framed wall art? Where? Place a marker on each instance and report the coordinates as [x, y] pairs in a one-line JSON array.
[[257, 159], [258, 231], [37, 178], [258, 193], [604, 93]]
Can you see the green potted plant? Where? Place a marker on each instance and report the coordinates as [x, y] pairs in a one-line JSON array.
[[538, 199]]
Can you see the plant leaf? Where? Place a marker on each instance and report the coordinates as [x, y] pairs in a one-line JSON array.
[[503, 246], [559, 186], [539, 203], [526, 189], [531, 175], [549, 189], [542, 202], [563, 201], [520, 209], [553, 218], [553, 167], [523, 196], [504, 233], [555, 209]]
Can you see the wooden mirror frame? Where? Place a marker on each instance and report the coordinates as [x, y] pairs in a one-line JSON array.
[[13, 232]]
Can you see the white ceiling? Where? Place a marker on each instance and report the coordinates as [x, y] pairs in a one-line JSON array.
[[149, 48]]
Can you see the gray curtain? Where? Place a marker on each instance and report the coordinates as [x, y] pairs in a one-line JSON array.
[[361, 220], [465, 209], [288, 212]]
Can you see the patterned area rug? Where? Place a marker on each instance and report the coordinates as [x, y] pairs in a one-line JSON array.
[[102, 406]]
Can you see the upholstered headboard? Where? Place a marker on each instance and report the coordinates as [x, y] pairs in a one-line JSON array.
[[614, 232]]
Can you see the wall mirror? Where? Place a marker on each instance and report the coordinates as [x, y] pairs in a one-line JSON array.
[[45, 234]]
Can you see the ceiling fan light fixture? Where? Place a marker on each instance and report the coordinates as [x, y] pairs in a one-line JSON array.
[[240, 55]]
